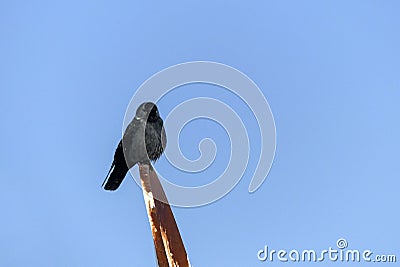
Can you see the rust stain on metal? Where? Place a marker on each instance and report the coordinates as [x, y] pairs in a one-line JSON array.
[[167, 239]]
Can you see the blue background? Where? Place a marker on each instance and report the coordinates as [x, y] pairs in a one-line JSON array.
[[329, 70]]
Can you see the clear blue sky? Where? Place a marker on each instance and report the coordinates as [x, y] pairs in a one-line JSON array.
[[329, 69]]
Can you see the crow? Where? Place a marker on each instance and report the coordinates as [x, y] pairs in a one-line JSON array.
[[144, 140]]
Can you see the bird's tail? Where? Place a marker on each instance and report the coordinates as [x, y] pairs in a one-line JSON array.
[[114, 177]]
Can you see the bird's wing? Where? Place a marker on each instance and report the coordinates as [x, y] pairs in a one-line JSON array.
[[133, 141], [163, 138], [132, 128]]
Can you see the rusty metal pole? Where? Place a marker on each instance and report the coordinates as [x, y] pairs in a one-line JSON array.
[[167, 240]]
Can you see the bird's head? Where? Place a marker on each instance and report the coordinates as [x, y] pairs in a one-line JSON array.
[[147, 111]]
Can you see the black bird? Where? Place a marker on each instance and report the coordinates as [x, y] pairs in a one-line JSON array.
[[144, 140]]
